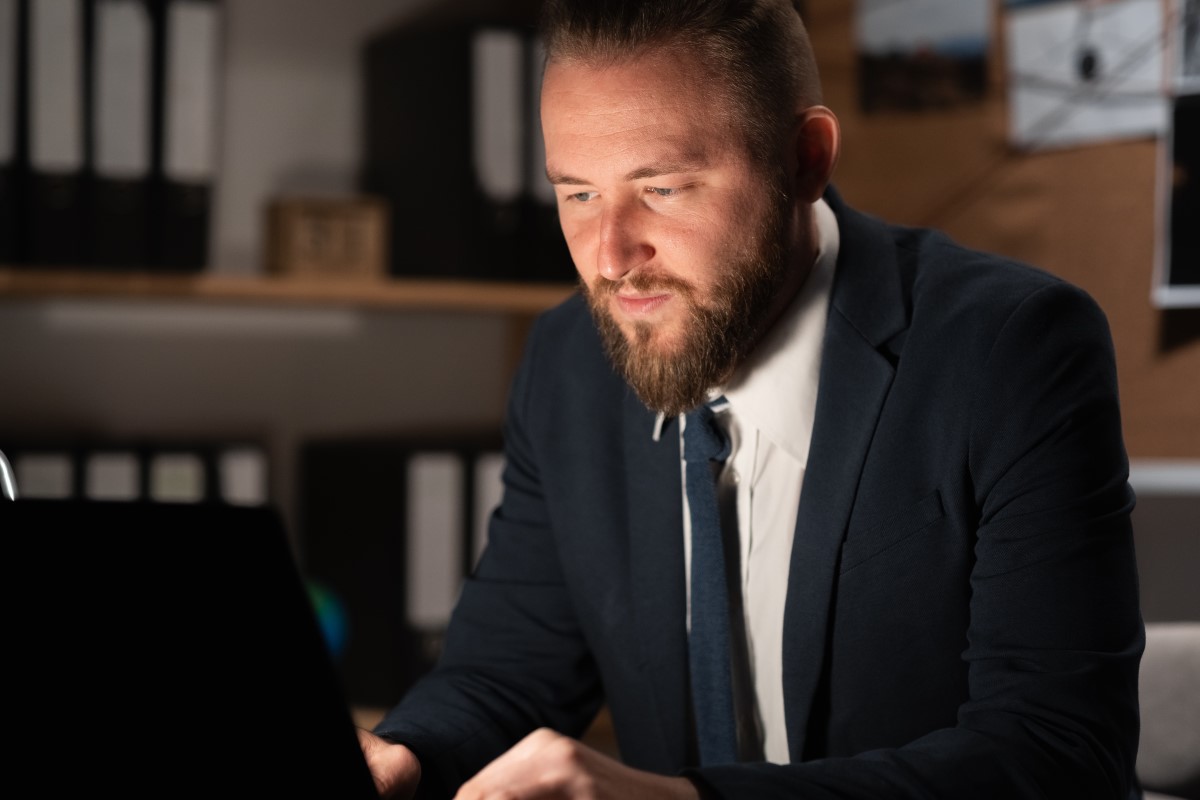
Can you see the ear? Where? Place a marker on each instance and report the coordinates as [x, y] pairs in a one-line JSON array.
[[815, 146]]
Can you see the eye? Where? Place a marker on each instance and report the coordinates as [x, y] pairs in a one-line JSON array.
[[581, 197], [663, 191]]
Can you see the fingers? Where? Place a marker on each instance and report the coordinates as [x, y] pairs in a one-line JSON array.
[[394, 768], [549, 766], [541, 766]]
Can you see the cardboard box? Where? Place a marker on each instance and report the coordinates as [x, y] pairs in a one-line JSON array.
[[328, 237]]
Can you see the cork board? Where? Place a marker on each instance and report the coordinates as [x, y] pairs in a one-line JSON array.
[[1086, 213]]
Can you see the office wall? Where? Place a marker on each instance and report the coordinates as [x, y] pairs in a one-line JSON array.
[[1085, 213], [291, 113]]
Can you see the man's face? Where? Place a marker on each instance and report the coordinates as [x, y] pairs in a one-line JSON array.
[[680, 240]]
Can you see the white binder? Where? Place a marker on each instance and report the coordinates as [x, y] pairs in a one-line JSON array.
[[8, 82], [56, 86], [497, 102], [121, 80], [192, 79], [434, 537]]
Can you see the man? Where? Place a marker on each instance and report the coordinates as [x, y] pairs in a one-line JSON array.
[[926, 507]]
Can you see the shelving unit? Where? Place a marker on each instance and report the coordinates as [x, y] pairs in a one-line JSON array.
[[521, 299]]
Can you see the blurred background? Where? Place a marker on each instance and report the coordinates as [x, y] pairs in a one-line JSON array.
[[287, 251]]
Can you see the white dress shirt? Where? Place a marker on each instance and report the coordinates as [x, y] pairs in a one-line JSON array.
[[772, 403]]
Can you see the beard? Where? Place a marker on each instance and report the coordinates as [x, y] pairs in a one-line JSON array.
[[719, 331]]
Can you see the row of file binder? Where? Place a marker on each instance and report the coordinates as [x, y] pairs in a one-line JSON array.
[[453, 141], [160, 471], [390, 525], [108, 124]]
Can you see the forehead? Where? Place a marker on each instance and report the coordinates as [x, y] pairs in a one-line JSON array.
[[657, 97]]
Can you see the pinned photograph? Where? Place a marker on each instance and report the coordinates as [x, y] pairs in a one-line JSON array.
[[1084, 71], [916, 55], [1177, 282], [1186, 44]]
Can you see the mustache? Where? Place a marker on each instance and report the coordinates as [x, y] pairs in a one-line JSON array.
[[644, 282]]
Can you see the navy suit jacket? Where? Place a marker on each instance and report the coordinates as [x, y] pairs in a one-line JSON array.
[[961, 616]]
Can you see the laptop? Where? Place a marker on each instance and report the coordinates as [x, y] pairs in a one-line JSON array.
[[159, 649]]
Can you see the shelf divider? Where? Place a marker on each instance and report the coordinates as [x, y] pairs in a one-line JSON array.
[[384, 293]]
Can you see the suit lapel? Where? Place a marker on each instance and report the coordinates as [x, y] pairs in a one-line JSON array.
[[655, 524], [866, 310]]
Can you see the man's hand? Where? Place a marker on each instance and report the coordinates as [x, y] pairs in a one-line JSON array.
[[548, 765], [393, 766]]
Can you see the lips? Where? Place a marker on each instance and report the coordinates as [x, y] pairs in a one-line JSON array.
[[642, 304]]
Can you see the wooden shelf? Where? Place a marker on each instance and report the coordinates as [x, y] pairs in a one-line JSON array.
[[385, 293]]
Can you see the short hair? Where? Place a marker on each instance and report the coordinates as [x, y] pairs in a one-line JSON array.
[[759, 49]]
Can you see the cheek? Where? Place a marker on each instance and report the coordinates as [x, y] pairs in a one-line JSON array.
[[696, 254]]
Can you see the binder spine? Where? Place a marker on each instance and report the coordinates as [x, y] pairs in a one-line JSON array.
[[10, 71], [121, 83], [546, 252], [434, 203], [57, 183], [373, 510], [187, 60], [436, 514]]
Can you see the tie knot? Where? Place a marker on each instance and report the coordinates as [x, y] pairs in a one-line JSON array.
[[703, 438]]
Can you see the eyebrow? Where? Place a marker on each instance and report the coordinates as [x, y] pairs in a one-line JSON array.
[[694, 164]]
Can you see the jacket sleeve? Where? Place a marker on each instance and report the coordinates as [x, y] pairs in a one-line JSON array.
[[514, 657], [1055, 633]]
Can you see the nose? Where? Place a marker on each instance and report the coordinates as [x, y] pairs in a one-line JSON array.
[[623, 245]]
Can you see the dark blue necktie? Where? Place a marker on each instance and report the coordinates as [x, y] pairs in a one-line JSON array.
[[705, 445]]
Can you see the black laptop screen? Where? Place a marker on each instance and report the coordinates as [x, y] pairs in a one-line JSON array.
[[171, 648]]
